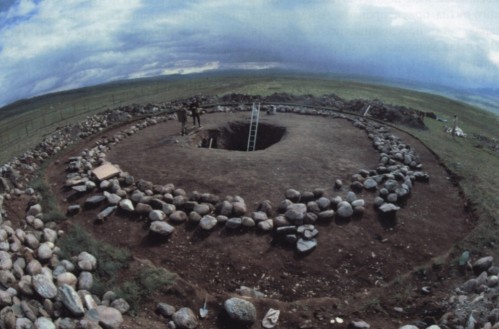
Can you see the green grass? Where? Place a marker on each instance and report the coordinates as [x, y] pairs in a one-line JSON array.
[[144, 285], [110, 260], [51, 211]]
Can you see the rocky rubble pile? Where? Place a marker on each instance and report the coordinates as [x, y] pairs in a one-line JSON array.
[[20, 170], [41, 289]]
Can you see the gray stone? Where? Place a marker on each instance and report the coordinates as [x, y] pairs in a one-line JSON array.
[[283, 230], [87, 261], [266, 225], [336, 201], [71, 300], [247, 221], [313, 207], [283, 205], [358, 203], [94, 200], [161, 228], [44, 323], [307, 196], [44, 251], [402, 192], [391, 185], [168, 208], [5, 298], [49, 235], [5, 260], [73, 209], [121, 305], [109, 318], [34, 210], [112, 198], [324, 203], [351, 196], [259, 216], [85, 281], [378, 201], [386, 208], [344, 209], [234, 223], [326, 215], [185, 318], [304, 246], [392, 197], [137, 196], [194, 217], [293, 195], [165, 309], [338, 184], [66, 278], [266, 207], [370, 184], [239, 208], [240, 310], [357, 186], [178, 216], [126, 205], [44, 286], [24, 323], [225, 208], [157, 215], [143, 208], [295, 213], [208, 222], [482, 264], [202, 209], [359, 324], [106, 213]]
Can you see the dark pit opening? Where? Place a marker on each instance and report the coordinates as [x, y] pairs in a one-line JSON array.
[[234, 136]]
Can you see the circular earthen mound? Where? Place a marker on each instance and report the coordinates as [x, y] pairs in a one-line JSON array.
[[294, 151]]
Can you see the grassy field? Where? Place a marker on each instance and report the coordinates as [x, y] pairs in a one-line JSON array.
[[24, 123]]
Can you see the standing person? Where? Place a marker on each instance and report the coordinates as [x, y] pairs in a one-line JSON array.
[[194, 107], [454, 126], [182, 118]]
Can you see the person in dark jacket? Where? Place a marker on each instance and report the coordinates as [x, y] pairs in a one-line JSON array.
[[194, 107], [182, 118]]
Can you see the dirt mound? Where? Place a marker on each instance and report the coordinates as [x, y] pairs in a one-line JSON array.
[[353, 259]]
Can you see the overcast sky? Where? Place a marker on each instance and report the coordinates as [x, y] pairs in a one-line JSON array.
[[51, 45]]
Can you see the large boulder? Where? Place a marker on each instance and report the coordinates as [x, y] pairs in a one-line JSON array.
[[295, 213], [161, 228], [185, 318], [344, 210], [44, 286], [240, 310], [109, 317], [71, 300]]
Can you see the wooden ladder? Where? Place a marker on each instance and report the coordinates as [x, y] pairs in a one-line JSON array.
[[255, 117]]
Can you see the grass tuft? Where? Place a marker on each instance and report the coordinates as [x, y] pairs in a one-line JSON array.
[[110, 260], [142, 286]]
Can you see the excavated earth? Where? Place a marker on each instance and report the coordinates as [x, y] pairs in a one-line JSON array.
[[355, 268]]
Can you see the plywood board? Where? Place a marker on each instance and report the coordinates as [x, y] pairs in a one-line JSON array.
[[106, 171]]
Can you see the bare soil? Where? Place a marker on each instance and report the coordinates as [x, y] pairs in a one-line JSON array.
[[361, 268]]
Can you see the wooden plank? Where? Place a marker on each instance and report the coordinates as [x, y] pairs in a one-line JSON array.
[[106, 171]]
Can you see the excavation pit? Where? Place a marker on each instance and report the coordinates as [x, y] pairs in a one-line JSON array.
[[234, 136]]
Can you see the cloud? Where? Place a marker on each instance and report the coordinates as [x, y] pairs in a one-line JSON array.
[[48, 45]]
